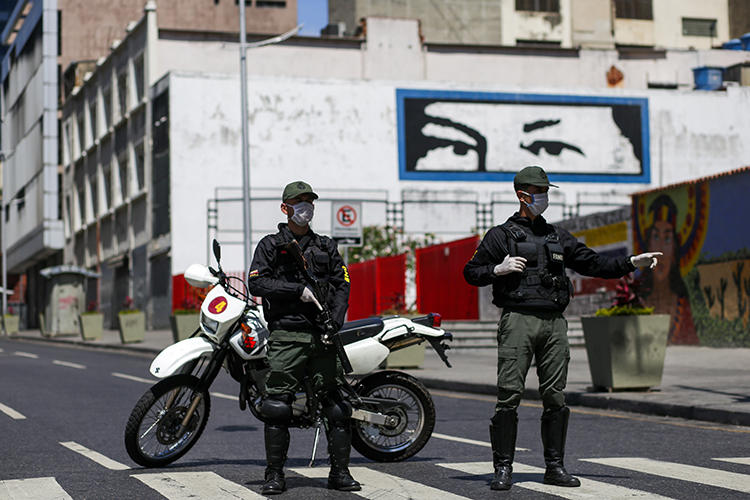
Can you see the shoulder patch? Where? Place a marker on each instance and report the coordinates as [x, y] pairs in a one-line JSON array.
[[346, 274]]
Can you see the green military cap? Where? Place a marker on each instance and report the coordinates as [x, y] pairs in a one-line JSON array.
[[532, 176], [296, 188]]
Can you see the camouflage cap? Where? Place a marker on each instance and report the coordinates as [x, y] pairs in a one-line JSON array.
[[296, 188], [532, 176]]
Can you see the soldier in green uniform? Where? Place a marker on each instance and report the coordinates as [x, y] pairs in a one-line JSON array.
[[295, 349], [524, 259]]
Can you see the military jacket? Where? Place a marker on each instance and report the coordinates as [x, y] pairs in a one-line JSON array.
[[275, 277], [548, 250]]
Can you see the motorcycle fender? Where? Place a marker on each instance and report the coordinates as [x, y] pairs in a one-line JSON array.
[[173, 357], [365, 355]]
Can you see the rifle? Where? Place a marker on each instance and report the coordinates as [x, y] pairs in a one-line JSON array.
[[330, 332]]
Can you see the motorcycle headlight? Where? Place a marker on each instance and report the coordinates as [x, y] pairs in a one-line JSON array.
[[209, 325]]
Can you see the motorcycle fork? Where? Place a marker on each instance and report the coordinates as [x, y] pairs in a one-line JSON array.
[[205, 382]]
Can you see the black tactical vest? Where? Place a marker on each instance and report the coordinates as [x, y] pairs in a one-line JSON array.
[[544, 284]]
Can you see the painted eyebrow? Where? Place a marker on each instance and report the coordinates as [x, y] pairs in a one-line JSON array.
[[528, 127]]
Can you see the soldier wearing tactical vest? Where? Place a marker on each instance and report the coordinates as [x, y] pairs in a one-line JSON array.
[[295, 350], [525, 260]]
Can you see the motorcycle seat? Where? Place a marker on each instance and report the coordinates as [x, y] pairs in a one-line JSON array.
[[353, 331]]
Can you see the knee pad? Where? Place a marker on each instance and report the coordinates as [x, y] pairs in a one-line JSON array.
[[276, 409], [504, 416], [337, 411]]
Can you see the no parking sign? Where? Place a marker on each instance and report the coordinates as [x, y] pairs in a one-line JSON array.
[[346, 227]]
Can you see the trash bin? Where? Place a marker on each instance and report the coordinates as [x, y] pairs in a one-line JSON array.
[[708, 77], [65, 299], [745, 41], [733, 44]]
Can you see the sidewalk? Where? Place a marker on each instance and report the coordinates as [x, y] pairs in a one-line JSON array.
[[700, 383]]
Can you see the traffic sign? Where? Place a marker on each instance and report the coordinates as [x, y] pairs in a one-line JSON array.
[[347, 223]]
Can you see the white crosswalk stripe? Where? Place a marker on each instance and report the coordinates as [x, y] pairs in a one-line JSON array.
[[589, 488], [95, 456], [37, 488], [468, 441], [702, 475], [379, 485], [735, 460], [195, 486]]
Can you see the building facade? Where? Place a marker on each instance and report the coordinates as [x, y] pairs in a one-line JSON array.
[[46, 39], [426, 138], [663, 24]]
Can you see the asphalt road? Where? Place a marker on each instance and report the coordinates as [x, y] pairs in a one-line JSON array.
[[63, 411]]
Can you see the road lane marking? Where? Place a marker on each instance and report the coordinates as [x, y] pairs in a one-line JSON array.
[[95, 456], [588, 489], [134, 378], [68, 364], [735, 460], [468, 441], [11, 412], [192, 485], [379, 485], [26, 354], [683, 472], [32, 488]]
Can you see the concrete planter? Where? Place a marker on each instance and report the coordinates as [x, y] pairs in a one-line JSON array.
[[408, 357], [92, 326], [132, 326], [626, 352], [183, 325], [11, 324]]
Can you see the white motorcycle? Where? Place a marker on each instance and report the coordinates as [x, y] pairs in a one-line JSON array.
[[392, 412]]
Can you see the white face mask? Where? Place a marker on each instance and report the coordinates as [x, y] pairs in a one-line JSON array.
[[303, 213], [539, 203]]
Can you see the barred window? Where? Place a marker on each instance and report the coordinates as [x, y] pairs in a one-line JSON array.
[[633, 9], [698, 27]]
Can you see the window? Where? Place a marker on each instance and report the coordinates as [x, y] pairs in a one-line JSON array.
[[94, 196], [81, 133], [122, 93], [123, 168], [106, 187], [67, 143], [138, 76], [538, 5], [633, 9], [81, 206], [698, 27], [279, 4], [140, 175], [93, 120], [107, 107]]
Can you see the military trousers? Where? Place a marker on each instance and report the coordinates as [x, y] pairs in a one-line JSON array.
[[296, 356], [521, 337]]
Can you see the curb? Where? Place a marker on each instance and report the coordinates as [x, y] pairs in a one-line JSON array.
[[605, 402], [82, 343]]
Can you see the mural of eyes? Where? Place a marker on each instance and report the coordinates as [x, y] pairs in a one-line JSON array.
[[445, 142], [553, 148]]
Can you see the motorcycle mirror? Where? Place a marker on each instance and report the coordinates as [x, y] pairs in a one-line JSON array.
[[217, 251]]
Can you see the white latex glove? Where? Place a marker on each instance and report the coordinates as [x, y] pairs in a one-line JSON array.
[[647, 259], [510, 265], [309, 296]]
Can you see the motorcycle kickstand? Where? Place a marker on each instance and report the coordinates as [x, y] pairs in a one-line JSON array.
[[315, 445]]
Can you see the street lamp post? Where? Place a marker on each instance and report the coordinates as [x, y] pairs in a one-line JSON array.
[[246, 221]]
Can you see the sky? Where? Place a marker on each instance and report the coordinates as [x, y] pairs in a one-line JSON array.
[[314, 14]]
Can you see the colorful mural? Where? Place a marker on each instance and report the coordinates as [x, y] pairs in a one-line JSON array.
[[702, 281]]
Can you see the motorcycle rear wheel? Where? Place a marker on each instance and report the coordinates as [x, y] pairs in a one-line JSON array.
[[152, 437], [415, 424]]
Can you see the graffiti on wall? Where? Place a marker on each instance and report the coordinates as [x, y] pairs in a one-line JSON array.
[[703, 279], [480, 136]]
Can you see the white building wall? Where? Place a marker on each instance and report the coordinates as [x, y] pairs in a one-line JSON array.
[[339, 135]]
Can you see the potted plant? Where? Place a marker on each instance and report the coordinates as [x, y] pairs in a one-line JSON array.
[[185, 320], [91, 322], [11, 322], [132, 323], [626, 343]]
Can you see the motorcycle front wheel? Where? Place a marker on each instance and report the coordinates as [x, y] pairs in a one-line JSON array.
[[415, 418], [154, 434]]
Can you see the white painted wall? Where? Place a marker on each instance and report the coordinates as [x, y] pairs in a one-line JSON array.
[[340, 134]]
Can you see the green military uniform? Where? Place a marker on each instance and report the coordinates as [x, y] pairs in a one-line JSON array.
[[295, 350], [533, 298]]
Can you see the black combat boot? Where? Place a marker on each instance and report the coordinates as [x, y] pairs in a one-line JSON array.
[[554, 429], [277, 444], [339, 446], [503, 438]]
